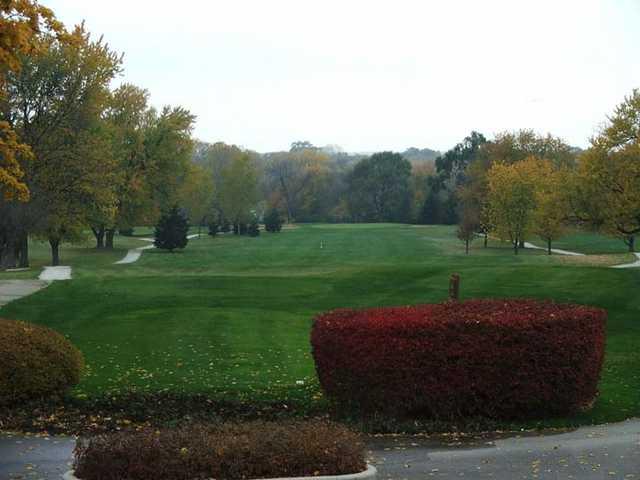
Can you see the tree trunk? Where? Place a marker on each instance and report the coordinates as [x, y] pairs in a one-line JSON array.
[[23, 253], [287, 200], [109, 234], [55, 251], [632, 243], [486, 239], [9, 254], [548, 246], [98, 232], [466, 246]]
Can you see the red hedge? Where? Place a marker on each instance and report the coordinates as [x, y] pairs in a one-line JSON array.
[[493, 358]]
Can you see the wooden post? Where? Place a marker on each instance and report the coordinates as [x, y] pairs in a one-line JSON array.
[[454, 288]]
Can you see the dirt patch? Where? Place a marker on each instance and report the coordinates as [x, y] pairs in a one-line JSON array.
[[607, 260]]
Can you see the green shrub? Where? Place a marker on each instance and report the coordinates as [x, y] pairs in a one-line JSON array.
[[229, 451], [273, 221], [214, 228], [240, 228], [35, 362], [254, 228]]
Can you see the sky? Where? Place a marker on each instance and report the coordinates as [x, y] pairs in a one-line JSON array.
[[374, 75]]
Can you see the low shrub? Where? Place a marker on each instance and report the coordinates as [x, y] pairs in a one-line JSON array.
[[273, 221], [501, 359], [240, 228], [214, 228], [254, 228], [35, 362], [229, 451]]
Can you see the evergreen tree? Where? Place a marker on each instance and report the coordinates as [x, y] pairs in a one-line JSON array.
[[214, 228], [273, 221], [430, 214], [171, 230], [254, 228]]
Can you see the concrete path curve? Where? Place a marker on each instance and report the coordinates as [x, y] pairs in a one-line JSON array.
[[50, 274], [589, 453], [134, 254], [635, 264], [14, 289], [554, 250], [602, 452]]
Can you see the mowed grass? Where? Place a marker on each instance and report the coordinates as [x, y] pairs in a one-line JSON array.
[[230, 316]]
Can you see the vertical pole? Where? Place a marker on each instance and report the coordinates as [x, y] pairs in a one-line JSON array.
[[454, 288]]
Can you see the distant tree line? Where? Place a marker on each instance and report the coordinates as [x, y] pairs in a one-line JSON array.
[[79, 157]]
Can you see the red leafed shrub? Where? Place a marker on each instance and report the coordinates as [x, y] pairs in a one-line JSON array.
[[228, 451], [502, 359]]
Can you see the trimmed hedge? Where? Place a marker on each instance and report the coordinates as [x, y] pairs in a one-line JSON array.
[[35, 362], [229, 451], [502, 359]]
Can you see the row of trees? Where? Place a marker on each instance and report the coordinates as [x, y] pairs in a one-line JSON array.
[[308, 184], [77, 154], [523, 185]]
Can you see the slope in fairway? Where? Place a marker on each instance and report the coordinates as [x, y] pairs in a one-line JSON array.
[[230, 316]]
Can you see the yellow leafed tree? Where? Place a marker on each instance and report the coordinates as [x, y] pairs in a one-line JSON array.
[[512, 199], [21, 23], [606, 192]]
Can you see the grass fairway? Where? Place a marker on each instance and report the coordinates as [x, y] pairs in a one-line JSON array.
[[230, 316]]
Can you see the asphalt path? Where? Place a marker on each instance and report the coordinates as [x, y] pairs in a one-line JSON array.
[[589, 453]]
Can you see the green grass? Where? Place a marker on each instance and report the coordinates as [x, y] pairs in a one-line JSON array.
[[589, 243], [230, 316]]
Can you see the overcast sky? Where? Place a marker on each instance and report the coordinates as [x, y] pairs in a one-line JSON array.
[[374, 75]]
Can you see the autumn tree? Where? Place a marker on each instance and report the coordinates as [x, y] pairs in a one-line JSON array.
[[196, 194], [606, 193], [551, 210], [509, 148], [22, 24], [420, 187], [125, 118], [55, 103], [468, 225], [296, 175], [379, 188], [512, 199], [238, 192], [168, 150], [451, 168], [474, 194], [512, 147], [216, 159]]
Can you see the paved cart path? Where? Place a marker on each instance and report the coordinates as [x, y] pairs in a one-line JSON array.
[[630, 265], [14, 289], [602, 452], [553, 250], [134, 254], [50, 274]]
